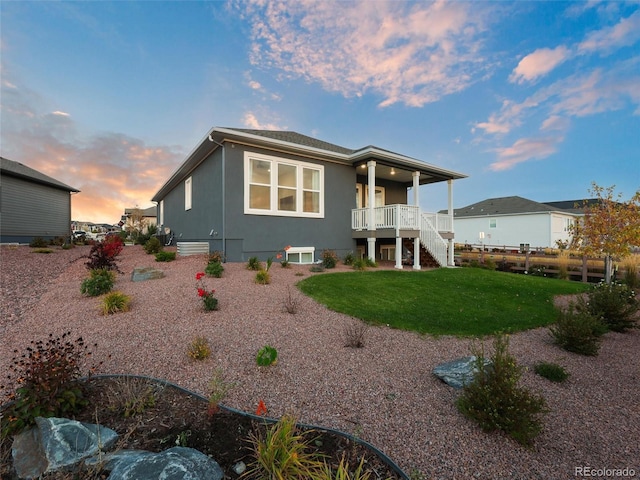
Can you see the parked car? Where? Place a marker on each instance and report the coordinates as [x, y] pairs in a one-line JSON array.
[[79, 235]]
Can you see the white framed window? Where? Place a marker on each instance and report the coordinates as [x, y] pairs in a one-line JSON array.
[[187, 194], [282, 187], [300, 254], [387, 252], [161, 215]]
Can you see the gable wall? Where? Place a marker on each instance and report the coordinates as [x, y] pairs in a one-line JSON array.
[[265, 235], [29, 210]]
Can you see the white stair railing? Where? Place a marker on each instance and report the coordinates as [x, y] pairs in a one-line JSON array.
[[432, 241]]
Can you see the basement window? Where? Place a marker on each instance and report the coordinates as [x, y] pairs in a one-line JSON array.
[[302, 255]]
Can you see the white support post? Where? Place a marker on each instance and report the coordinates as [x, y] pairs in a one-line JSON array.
[[416, 202], [450, 259], [398, 253], [371, 240]]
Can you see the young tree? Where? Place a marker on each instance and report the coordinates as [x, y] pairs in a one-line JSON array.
[[136, 223], [611, 227]]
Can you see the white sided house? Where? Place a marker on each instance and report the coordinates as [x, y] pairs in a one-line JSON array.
[[516, 222]]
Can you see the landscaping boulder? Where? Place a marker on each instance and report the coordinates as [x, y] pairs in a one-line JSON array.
[[141, 274], [177, 463], [55, 443], [457, 373]]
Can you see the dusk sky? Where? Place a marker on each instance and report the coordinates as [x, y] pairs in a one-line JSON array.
[[536, 99]]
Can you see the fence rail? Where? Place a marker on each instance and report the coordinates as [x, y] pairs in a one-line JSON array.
[[536, 262]]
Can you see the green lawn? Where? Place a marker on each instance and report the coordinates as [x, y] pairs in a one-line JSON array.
[[447, 301]]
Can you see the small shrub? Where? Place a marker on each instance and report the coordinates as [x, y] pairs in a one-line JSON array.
[[577, 331], [100, 281], [354, 334], [218, 389], [496, 401], [214, 269], [349, 258], [344, 471], [290, 303], [38, 242], [370, 263], [103, 254], [199, 349], [285, 264], [165, 256], [115, 302], [329, 259], [263, 277], [551, 371], [316, 268], [284, 452], [209, 301], [359, 264], [537, 270], [254, 264], [152, 245], [131, 396], [47, 381], [615, 304], [42, 250], [266, 356]]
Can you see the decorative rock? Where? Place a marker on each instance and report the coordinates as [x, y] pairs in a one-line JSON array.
[[239, 468], [55, 443], [141, 274], [177, 463], [459, 372]]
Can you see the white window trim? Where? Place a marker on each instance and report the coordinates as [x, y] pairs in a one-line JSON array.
[[187, 193], [161, 208], [248, 156], [301, 250]]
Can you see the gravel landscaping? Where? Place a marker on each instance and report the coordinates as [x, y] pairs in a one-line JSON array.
[[384, 393]]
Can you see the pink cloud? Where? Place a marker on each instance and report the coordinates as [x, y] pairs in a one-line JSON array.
[[539, 63], [407, 53], [523, 150], [624, 33]]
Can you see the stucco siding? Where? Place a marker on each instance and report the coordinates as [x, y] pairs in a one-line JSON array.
[[29, 210]]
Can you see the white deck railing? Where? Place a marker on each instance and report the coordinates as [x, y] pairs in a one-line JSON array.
[[432, 241], [403, 217]]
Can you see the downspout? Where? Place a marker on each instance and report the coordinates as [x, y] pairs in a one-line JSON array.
[[223, 190]]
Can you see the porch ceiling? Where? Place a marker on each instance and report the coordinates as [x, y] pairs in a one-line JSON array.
[[401, 175]]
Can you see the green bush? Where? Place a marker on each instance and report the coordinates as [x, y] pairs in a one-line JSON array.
[[316, 268], [115, 302], [329, 259], [266, 356], [496, 401], [216, 256], [615, 304], [38, 242], [263, 277], [551, 371], [254, 264], [349, 258], [42, 250], [99, 282], [47, 380], [152, 245], [165, 256], [577, 331], [214, 269]]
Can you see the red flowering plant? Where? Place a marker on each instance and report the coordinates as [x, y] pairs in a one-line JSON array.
[[103, 254], [262, 409], [210, 302]]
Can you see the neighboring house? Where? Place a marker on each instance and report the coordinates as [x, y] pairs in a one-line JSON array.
[[253, 192], [149, 215], [515, 221], [32, 204]]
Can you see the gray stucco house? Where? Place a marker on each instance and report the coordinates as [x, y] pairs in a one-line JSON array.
[[32, 204], [254, 192]]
